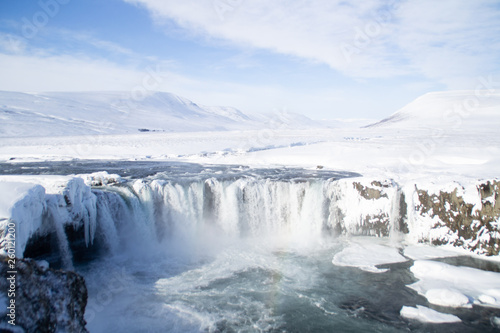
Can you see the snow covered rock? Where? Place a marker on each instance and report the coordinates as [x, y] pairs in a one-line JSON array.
[[21, 206], [46, 300], [463, 216], [368, 207], [101, 178], [52, 220]]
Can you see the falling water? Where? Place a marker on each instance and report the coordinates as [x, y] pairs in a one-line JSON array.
[[235, 250]]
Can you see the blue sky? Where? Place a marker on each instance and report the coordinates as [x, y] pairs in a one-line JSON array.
[[325, 59]]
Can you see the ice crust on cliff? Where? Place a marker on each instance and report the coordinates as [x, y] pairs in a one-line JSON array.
[[64, 200], [23, 204]]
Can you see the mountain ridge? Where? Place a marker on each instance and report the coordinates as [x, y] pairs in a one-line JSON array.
[[113, 112], [446, 109]]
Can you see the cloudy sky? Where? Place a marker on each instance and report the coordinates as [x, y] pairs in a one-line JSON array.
[[322, 58]]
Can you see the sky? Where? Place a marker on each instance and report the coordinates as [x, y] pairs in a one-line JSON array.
[[326, 59]]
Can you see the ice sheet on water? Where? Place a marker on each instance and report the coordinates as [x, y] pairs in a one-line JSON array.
[[426, 315], [422, 252], [453, 286], [367, 253]]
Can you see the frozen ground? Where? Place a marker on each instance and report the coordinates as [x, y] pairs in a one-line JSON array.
[[440, 135]]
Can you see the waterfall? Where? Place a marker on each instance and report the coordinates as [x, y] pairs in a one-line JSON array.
[[187, 211], [297, 210], [237, 208], [54, 215]]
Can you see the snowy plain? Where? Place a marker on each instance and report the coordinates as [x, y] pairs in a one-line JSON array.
[[437, 139], [448, 134]]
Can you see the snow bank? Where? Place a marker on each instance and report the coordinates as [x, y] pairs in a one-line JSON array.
[[366, 254], [44, 209], [426, 315], [12, 193], [452, 286], [422, 252], [22, 204]]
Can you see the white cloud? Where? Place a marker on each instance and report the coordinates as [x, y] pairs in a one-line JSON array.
[[62, 73], [86, 38], [33, 73], [76, 62], [449, 41], [12, 44]]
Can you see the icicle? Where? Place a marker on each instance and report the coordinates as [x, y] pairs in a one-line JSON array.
[[81, 203], [58, 218]]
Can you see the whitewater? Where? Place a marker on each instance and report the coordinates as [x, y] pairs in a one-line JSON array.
[[178, 247], [256, 225]]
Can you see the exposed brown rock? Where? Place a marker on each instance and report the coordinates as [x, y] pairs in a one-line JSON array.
[[473, 228]]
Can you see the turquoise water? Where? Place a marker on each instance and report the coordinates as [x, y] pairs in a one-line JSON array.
[[252, 286], [221, 279]]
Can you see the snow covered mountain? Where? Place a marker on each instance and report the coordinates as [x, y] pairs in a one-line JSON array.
[[86, 113], [446, 111]]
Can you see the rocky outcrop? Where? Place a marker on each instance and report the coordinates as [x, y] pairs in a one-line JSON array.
[[471, 224], [46, 300], [463, 215], [373, 192], [368, 207]]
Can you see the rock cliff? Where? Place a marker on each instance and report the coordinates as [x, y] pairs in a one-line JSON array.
[[46, 300]]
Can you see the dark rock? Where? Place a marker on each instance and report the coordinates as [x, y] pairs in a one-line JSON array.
[[46, 300]]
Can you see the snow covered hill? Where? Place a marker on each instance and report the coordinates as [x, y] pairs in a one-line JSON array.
[[439, 133], [447, 110], [87, 113]]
